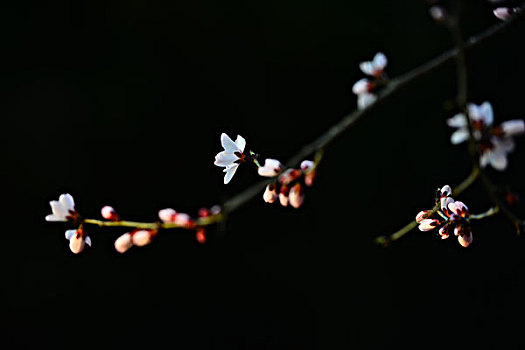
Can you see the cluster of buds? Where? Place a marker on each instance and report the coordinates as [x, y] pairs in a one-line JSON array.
[[289, 186], [64, 210], [494, 142], [451, 216], [365, 88]]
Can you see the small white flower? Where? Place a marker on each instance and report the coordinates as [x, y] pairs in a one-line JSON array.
[[271, 168], [231, 156], [496, 154], [481, 117], [376, 66], [77, 240], [63, 209]]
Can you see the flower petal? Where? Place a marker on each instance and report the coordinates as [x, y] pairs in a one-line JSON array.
[[240, 142], [88, 241], [459, 136], [380, 61], [513, 127], [457, 121], [365, 99], [58, 210], [487, 113], [230, 171], [361, 86], [228, 144], [123, 243], [367, 67], [67, 202], [70, 233], [225, 158], [498, 160]]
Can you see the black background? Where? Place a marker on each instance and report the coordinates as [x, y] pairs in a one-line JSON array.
[[122, 103]]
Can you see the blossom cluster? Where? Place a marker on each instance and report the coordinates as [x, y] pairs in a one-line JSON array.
[[289, 185], [365, 87], [493, 142], [451, 216], [64, 210]]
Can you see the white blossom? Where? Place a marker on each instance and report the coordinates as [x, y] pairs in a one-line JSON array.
[[63, 209], [231, 156], [374, 67]]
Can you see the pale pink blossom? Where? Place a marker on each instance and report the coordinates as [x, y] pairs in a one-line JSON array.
[[232, 155]]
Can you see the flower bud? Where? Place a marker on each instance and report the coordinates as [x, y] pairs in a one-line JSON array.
[[270, 193], [503, 13], [271, 168], [296, 196], [200, 235], [437, 13], [167, 215], [109, 213], [428, 224], [123, 243], [142, 237], [422, 215]]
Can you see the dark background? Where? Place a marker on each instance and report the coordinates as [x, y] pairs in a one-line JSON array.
[[122, 103]]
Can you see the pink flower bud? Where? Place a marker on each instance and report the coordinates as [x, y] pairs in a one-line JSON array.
[[271, 168], [200, 235], [422, 215], [123, 243], [270, 193], [109, 213], [437, 13], [204, 212], [503, 13], [183, 220], [141, 238], [446, 191], [167, 215], [296, 196], [428, 224], [283, 199], [465, 239]]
